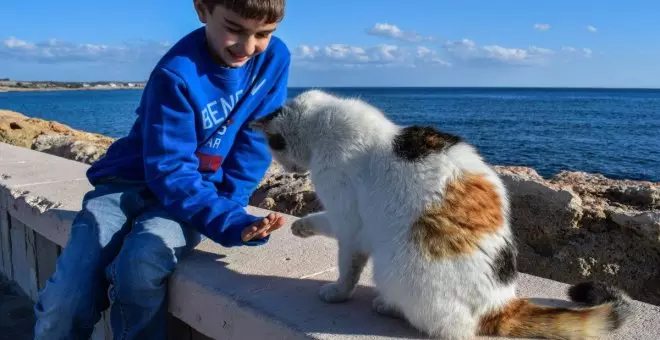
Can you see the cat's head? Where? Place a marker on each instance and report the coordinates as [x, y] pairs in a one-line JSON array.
[[290, 130]]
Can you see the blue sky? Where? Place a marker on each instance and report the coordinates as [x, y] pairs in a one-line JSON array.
[[356, 42]]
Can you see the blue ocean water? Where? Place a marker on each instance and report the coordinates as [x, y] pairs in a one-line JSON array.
[[615, 132]]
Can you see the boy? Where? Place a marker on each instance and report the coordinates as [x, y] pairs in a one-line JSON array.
[[187, 167]]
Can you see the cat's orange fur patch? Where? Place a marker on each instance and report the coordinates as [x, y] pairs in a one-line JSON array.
[[470, 209], [522, 318]]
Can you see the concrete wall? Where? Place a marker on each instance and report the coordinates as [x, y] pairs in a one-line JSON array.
[[265, 292]]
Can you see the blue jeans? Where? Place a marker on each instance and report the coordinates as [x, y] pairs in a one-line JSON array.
[[122, 248]]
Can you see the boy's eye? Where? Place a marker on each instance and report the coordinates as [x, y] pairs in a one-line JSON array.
[[276, 142], [233, 30]]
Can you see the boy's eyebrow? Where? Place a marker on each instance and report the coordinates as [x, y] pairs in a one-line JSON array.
[[235, 24]]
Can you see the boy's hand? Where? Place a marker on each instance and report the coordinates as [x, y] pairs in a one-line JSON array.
[[263, 228]]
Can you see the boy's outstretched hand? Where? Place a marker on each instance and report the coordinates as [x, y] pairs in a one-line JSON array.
[[263, 228]]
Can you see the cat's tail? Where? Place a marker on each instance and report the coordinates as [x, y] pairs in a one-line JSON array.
[[605, 309]]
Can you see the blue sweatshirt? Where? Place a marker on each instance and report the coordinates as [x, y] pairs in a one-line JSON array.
[[190, 142]]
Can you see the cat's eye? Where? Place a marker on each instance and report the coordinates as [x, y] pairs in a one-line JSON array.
[[276, 142]]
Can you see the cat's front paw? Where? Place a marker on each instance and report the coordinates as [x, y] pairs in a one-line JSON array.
[[332, 293], [302, 228]]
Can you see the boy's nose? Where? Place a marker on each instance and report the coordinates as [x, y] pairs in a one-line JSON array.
[[249, 46]]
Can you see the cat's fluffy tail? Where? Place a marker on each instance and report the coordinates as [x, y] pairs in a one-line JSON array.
[[605, 310]]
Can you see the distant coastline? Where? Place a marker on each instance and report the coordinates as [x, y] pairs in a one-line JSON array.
[[8, 85]]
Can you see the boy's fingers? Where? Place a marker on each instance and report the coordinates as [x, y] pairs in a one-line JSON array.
[[275, 226], [269, 224], [254, 230]]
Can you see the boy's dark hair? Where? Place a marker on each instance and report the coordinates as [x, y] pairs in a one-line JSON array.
[[270, 11]]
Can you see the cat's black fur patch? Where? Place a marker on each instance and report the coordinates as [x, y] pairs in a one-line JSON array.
[[594, 293], [505, 265], [276, 142], [267, 118], [416, 142]]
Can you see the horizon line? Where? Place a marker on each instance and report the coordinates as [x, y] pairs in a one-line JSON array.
[[380, 86]]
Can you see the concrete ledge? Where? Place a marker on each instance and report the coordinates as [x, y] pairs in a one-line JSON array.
[[267, 292]]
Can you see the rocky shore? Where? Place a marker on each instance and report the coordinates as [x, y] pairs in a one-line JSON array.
[[7, 85], [574, 226]]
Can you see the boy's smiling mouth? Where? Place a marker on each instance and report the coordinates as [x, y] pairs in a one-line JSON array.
[[237, 57]]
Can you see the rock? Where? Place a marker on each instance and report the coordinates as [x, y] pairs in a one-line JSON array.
[[68, 147], [12, 130], [47, 143], [541, 213], [635, 196], [578, 226], [59, 128], [52, 137], [646, 224], [287, 193]]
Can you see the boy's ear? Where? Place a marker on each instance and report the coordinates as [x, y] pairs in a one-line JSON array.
[[200, 8]]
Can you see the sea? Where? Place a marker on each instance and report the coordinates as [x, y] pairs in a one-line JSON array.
[[614, 132]]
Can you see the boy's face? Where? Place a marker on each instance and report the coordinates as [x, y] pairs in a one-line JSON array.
[[233, 40]]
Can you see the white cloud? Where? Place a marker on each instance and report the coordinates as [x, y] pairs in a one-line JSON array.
[[430, 56], [542, 27], [592, 29], [541, 50], [467, 51], [458, 53], [384, 55], [18, 44], [584, 52], [394, 32], [58, 51]]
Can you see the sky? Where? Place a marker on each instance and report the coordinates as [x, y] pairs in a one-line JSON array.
[[607, 43]]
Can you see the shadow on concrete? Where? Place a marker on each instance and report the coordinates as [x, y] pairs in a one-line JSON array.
[[294, 301], [16, 314]]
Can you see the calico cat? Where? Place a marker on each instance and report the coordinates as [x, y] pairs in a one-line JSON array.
[[432, 216]]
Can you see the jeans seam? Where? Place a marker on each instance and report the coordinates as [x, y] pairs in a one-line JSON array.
[[113, 270]]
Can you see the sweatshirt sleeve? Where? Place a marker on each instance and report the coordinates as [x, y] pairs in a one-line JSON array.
[[249, 158], [170, 165]]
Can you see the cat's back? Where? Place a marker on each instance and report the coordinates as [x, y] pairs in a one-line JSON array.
[[420, 170], [413, 166]]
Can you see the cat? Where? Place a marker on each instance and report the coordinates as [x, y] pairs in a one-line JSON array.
[[432, 216]]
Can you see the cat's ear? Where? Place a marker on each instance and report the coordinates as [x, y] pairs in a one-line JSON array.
[[261, 124]]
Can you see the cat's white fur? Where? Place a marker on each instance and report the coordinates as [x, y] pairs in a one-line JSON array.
[[372, 197]]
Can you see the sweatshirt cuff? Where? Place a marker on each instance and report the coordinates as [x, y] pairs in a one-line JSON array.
[[231, 237]]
